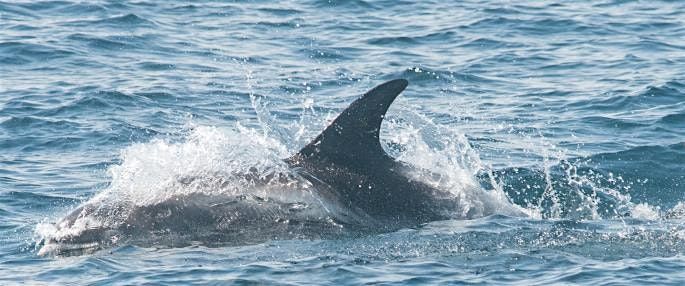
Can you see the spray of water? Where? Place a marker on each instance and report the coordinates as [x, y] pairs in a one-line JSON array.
[[445, 159]]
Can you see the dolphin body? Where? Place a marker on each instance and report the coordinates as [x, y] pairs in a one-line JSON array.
[[364, 190]]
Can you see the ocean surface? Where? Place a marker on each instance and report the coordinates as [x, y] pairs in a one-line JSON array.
[[573, 113]]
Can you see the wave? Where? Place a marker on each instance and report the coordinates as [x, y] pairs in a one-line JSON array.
[[669, 93], [16, 12], [281, 11], [108, 43], [403, 41], [426, 75], [674, 119], [544, 26], [22, 53], [20, 123], [127, 21], [354, 5]]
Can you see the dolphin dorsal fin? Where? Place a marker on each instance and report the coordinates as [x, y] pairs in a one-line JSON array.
[[353, 137]]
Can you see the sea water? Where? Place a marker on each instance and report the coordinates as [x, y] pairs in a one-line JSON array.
[[559, 125]]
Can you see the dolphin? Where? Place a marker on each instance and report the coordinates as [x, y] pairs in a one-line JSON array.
[[357, 186]]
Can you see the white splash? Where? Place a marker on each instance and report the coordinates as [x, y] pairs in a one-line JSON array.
[[645, 211], [445, 159], [148, 170]]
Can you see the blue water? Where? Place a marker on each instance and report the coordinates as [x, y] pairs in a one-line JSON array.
[[574, 112]]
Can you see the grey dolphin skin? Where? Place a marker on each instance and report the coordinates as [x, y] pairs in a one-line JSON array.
[[348, 158], [364, 188]]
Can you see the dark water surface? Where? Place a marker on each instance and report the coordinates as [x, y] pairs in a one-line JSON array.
[[572, 112]]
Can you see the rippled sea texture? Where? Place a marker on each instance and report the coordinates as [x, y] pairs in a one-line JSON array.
[[575, 110]]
